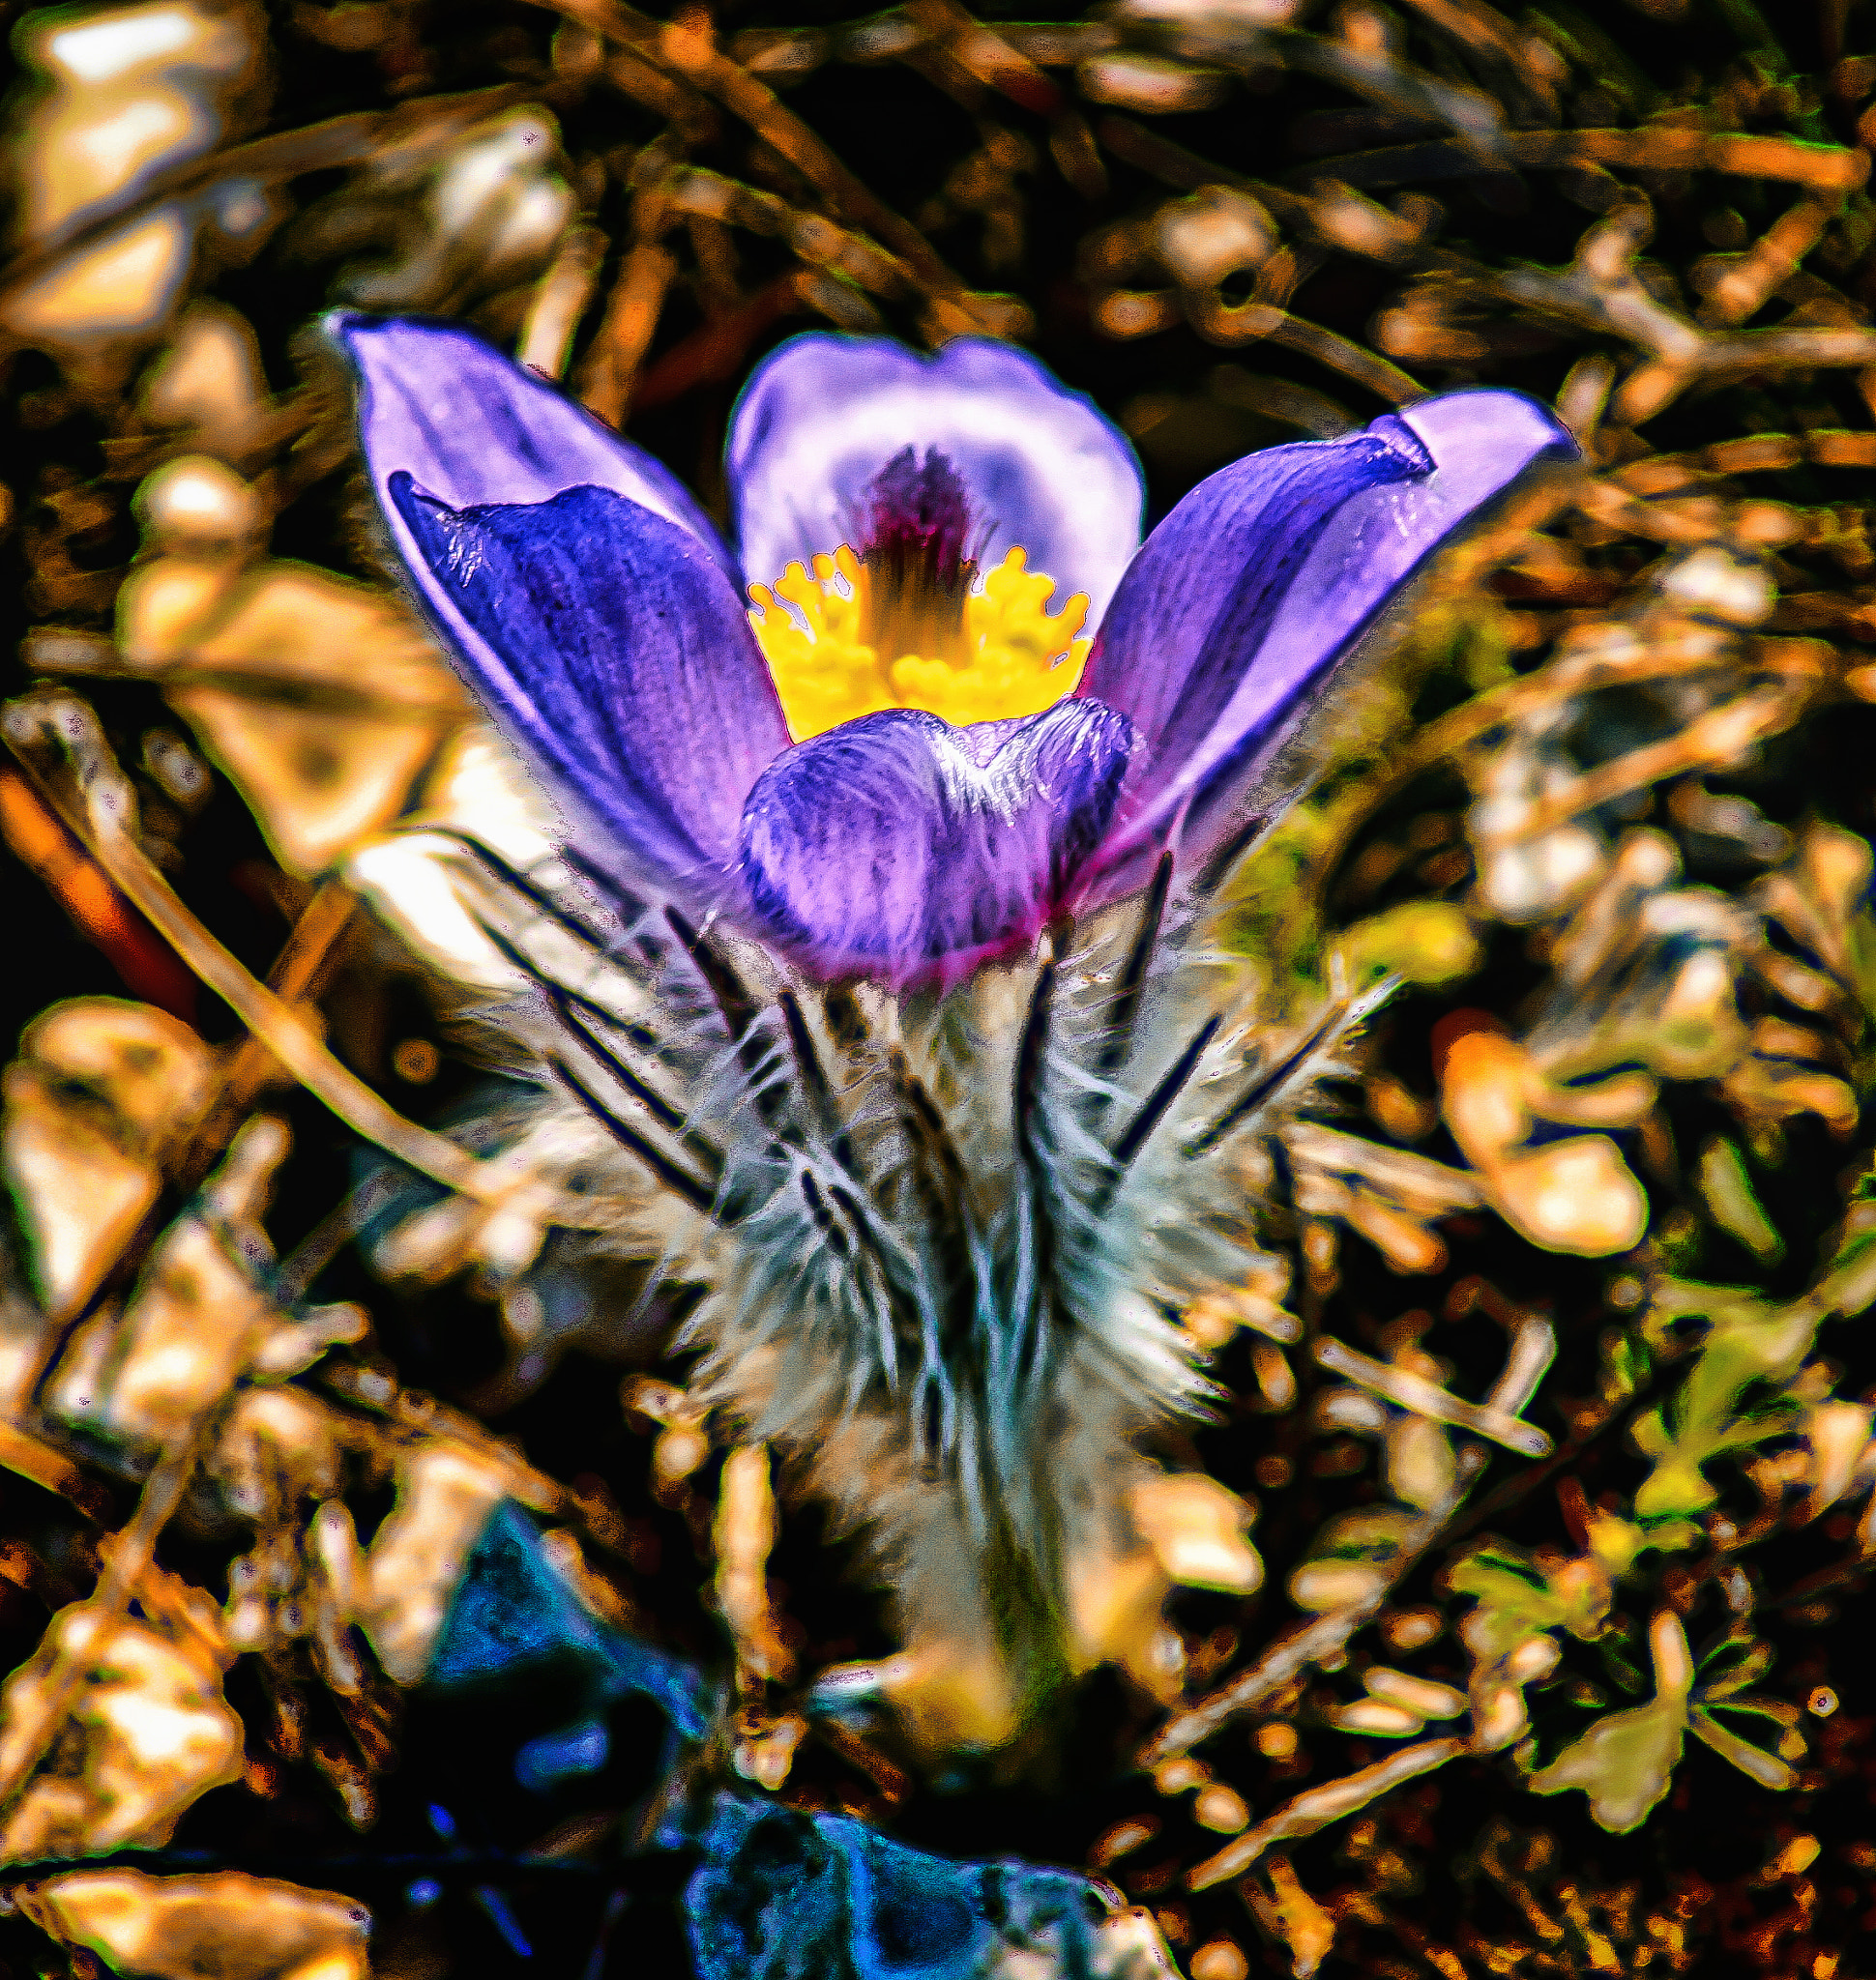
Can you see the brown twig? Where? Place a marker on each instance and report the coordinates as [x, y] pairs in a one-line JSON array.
[[691, 56], [267, 1017]]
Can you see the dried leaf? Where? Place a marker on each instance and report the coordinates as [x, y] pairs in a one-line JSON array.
[[101, 1093], [223, 1927], [1625, 1761], [1197, 1528], [408, 1576], [320, 697], [197, 1317], [150, 1730]]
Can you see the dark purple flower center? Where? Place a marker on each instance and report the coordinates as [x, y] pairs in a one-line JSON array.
[[913, 533]]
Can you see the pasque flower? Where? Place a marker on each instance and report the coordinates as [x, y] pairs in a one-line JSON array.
[[912, 1064], [906, 766]]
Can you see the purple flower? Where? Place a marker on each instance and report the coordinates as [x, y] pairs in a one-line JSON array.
[[595, 610]]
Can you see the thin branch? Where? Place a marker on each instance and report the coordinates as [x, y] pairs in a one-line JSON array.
[[1410, 1391], [691, 57], [266, 1015], [1317, 1807]]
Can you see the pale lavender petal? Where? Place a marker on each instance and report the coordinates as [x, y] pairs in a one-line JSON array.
[[473, 427], [900, 847], [616, 655], [1226, 627], [824, 414]]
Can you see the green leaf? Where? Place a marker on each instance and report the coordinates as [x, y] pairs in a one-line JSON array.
[[1748, 1341], [1850, 1284], [1420, 941], [1627, 1675], [1624, 1762], [1625, 1363], [1519, 1597], [1734, 1664], [1676, 1484], [1375, 1533], [1735, 1206], [1767, 1768]]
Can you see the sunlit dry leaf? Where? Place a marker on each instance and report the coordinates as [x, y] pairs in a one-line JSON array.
[[320, 697], [129, 92], [151, 1072], [1197, 1529], [276, 1446], [1576, 1195], [406, 1578], [197, 1317], [1420, 1467], [493, 211], [1774, 1083], [1388, 1195], [1151, 82], [1212, 235], [198, 508], [742, 1533], [1291, 1914], [1422, 1696], [1349, 1559], [210, 380], [1526, 879], [765, 1751], [223, 1927], [1842, 1457], [123, 287], [413, 876], [131, 89], [103, 1091], [149, 1729]]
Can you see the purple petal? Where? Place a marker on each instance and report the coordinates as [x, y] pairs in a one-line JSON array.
[[823, 414], [616, 654], [584, 594], [472, 427], [1226, 626], [898, 846]]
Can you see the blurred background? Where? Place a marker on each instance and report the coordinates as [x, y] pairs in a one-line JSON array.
[[1609, 806]]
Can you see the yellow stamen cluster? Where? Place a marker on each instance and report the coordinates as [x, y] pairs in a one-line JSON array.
[[1013, 658]]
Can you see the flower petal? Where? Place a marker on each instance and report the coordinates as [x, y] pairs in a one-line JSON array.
[[824, 414], [1226, 626], [471, 427], [615, 654], [900, 847]]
